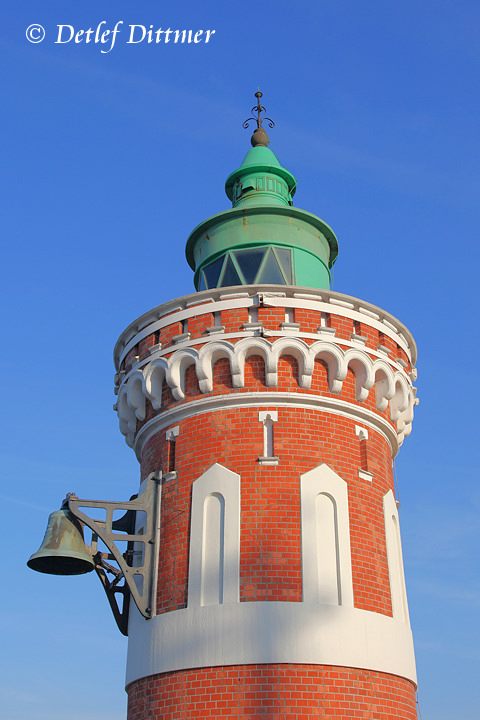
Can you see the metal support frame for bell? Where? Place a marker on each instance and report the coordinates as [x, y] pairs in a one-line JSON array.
[[136, 574]]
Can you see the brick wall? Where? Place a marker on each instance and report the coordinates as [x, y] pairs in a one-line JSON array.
[[270, 560], [273, 692], [270, 532]]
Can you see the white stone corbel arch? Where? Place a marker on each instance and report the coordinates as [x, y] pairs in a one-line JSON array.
[[404, 423], [209, 354], [136, 394], [384, 384], [300, 351], [334, 358], [408, 414], [155, 374], [253, 346], [399, 401], [126, 417], [178, 364], [362, 369]]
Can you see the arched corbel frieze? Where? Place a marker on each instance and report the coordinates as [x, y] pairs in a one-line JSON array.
[[255, 346], [361, 366], [392, 389], [334, 358], [208, 355], [384, 384], [178, 364], [155, 374], [301, 352], [399, 401], [136, 394]]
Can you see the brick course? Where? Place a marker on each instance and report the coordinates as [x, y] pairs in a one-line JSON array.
[[273, 692]]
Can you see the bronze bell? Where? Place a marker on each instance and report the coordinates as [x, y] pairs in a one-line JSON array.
[[63, 550]]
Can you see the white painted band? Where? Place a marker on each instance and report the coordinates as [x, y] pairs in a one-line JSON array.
[[268, 632]]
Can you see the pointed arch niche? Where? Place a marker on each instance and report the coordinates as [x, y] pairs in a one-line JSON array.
[[326, 558], [213, 575], [396, 572]]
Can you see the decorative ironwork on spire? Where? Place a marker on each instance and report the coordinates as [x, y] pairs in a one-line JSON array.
[[259, 136]]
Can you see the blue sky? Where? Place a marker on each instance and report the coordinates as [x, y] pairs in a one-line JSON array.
[[111, 159]]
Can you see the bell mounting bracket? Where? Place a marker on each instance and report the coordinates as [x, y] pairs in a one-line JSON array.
[[136, 574]]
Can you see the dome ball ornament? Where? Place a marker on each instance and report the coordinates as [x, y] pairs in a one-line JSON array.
[[259, 136]]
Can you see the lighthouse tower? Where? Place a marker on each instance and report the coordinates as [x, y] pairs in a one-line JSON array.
[[268, 409]]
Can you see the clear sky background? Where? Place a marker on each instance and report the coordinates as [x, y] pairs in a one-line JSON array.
[[109, 161]]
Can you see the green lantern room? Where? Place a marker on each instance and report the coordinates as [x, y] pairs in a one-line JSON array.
[[263, 239]]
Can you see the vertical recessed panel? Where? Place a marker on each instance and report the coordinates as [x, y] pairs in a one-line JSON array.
[[327, 550], [214, 559], [396, 574], [326, 557], [395, 561], [268, 437], [213, 549]]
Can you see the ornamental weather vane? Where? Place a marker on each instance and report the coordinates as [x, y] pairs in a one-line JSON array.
[[259, 137]]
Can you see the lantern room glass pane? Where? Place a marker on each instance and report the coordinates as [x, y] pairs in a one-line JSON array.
[[271, 273], [212, 272], [249, 261], [285, 258], [230, 276], [202, 284]]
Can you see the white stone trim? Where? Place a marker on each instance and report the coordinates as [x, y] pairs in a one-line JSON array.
[[216, 300], [214, 559], [306, 401], [396, 572], [181, 315], [290, 327], [172, 434], [246, 633], [266, 414], [326, 557], [181, 338], [392, 388], [365, 475], [344, 309], [361, 432], [256, 330], [369, 313], [268, 460], [342, 303], [267, 418]]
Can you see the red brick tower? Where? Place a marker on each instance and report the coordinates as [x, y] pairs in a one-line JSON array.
[[271, 408]]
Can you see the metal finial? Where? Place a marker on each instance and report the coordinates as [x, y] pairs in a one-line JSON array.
[[259, 136]]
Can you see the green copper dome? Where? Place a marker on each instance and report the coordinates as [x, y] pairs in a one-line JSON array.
[[242, 186], [263, 239]]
